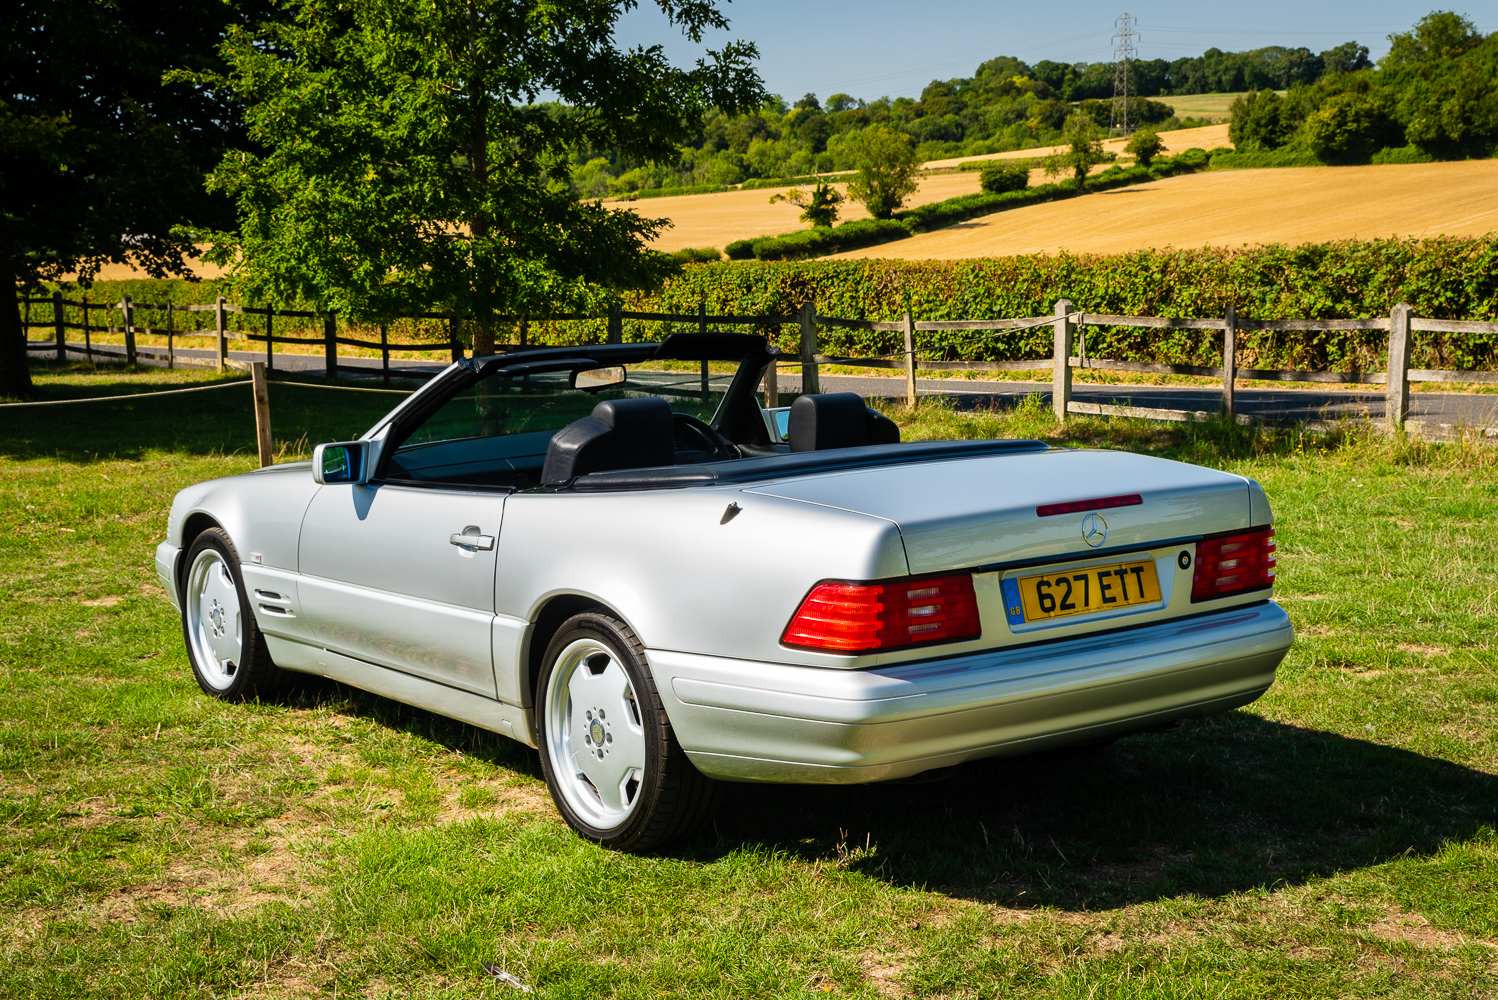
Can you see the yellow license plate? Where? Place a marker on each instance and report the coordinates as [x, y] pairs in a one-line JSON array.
[[1081, 591]]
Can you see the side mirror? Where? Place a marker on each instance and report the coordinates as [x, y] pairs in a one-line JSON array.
[[593, 379], [342, 462]]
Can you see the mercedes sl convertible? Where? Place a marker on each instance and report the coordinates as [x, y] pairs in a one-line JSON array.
[[636, 568]]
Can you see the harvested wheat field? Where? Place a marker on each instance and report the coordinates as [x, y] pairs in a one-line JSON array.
[[1231, 208], [1207, 137], [716, 220]]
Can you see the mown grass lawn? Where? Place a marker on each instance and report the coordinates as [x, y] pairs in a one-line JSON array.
[[1336, 839]]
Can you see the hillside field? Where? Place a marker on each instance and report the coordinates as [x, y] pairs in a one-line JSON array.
[[1232, 208]]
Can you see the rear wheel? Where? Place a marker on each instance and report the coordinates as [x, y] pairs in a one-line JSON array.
[[611, 760], [228, 653]]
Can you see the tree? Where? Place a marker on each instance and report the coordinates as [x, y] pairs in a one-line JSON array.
[[886, 169], [1084, 149], [407, 166], [1260, 121], [820, 203], [1145, 145], [1436, 36], [99, 159], [1344, 128]]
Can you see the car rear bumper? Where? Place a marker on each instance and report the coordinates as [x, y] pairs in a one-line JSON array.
[[748, 721]]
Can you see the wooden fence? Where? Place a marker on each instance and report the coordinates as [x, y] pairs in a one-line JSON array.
[[1068, 324]]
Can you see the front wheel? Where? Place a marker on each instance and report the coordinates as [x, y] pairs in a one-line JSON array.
[[228, 653], [611, 760]]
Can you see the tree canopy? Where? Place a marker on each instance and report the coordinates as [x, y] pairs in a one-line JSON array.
[[99, 158], [406, 162]]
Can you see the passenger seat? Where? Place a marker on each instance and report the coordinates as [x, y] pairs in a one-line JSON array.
[[838, 420], [621, 434]]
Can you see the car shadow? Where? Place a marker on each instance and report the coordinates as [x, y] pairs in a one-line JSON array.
[[1219, 806]]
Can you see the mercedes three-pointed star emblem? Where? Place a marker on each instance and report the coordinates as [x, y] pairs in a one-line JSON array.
[[1094, 530]]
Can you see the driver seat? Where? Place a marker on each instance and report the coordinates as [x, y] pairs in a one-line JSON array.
[[620, 434]]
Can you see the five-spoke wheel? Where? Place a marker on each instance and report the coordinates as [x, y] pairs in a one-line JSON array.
[[610, 758]]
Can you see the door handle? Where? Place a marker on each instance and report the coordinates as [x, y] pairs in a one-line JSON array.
[[470, 538]]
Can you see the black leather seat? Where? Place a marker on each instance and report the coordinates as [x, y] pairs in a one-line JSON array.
[[838, 420], [621, 434]]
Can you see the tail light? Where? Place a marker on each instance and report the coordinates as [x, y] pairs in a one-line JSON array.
[[890, 614], [1232, 564]]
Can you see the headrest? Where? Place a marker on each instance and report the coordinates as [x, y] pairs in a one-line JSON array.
[[621, 434], [838, 420]]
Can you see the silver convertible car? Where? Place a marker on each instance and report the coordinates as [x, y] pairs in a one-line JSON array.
[[660, 584]]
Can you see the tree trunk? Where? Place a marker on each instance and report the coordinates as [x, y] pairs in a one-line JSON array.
[[483, 340], [15, 370]]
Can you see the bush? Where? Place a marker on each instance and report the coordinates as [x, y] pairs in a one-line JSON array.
[[1145, 145], [1273, 158], [1000, 178], [697, 255], [743, 249], [820, 242], [1402, 154]]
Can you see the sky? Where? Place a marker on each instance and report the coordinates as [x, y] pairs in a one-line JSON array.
[[875, 48]]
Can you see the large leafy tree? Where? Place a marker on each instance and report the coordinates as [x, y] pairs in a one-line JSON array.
[[99, 158], [408, 164], [887, 165]]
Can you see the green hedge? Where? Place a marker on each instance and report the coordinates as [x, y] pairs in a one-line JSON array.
[[1446, 278], [1443, 277]]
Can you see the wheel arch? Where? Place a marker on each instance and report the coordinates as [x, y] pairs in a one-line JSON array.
[[194, 525], [549, 620]]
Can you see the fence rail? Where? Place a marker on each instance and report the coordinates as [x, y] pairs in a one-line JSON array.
[[1068, 325]]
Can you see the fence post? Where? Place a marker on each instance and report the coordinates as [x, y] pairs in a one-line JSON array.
[[171, 329], [262, 412], [59, 329], [1397, 399], [330, 346], [127, 317], [1229, 359], [909, 359], [525, 331], [270, 339], [1065, 330], [88, 340], [772, 384], [811, 373], [616, 325], [452, 336], [220, 327], [702, 328], [385, 352]]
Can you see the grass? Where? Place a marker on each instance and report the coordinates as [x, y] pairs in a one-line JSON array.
[[1336, 838]]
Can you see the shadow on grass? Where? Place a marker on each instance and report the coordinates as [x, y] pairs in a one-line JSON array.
[[215, 421], [1220, 806]]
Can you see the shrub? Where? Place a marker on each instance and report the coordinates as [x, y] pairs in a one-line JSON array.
[[1402, 154], [999, 178], [1145, 145], [743, 249], [1272, 158], [697, 255], [820, 242]]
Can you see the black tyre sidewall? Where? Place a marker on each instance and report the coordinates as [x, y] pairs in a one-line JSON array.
[[256, 670], [638, 831]]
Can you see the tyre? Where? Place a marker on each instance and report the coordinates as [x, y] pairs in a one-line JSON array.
[[224, 644], [611, 760]]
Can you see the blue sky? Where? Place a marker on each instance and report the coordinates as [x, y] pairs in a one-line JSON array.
[[872, 48]]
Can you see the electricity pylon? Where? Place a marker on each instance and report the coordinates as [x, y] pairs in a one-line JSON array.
[[1123, 54]]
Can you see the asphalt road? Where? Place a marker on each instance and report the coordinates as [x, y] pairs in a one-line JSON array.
[[1264, 404], [1471, 409]]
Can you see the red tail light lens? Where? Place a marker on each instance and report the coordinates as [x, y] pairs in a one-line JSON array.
[[862, 617], [1232, 564]]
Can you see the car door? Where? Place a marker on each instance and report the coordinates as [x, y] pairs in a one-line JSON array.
[[403, 576]]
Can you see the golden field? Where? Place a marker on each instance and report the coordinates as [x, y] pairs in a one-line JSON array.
[[1232, 208]]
